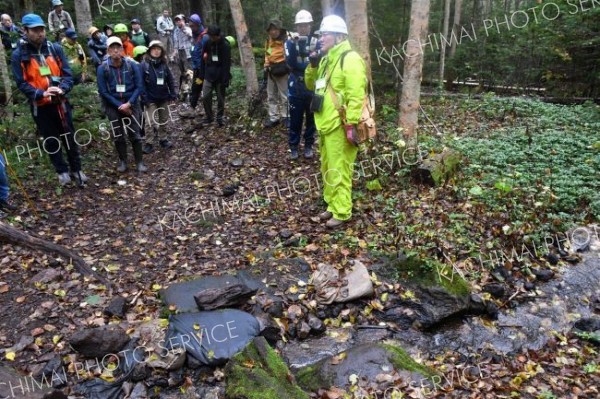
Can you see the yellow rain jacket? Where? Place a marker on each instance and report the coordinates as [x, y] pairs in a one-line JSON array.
[[337, 154]]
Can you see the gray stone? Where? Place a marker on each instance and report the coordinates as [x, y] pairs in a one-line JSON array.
[[366, 361], [46, 276], [117, 307], [100, 341], [23, 387]]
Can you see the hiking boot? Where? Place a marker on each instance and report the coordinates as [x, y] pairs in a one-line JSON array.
[[7, 206], [140, 167], [294, 154], [166, 144], [220, 122], [325, 215], [138, 155], [64, 179], [80, 178], [122, 166], [333, 223], [308, 153], [148, 148], [187, 113], [206, 121], [121, 147], [269, 124]]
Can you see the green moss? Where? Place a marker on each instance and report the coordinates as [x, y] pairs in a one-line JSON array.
[[430, 273], [309, 378], [402, 361], [251, 375]]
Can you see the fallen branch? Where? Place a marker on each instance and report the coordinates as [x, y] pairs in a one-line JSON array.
[[15, 236]]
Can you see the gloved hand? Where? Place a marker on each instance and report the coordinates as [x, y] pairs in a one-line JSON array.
[[351, 133], [314, 59], [198, 81]]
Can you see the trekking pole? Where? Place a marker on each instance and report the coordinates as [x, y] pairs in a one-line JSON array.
[[63, 119], [14, 175]]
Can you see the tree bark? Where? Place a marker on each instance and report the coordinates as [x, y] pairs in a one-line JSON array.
[[443, 47], [208, 12], [358, 29], [328, 7], [15, 236], [245, 45], [6, 83], [413, 71], [83, 16]]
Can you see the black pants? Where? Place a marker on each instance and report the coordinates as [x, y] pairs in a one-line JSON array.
[[55, 123], [196, 89], [122, 125], [207, 91]]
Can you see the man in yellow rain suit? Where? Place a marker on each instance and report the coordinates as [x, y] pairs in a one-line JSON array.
[[342, 73]]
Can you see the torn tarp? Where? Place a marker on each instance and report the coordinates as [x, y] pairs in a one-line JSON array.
[[212, 337]]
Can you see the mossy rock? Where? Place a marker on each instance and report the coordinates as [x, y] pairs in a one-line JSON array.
[[432, 292], [259, 373], [365, 361], [439, 168]]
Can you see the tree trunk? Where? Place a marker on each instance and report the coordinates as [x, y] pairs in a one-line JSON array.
[[83, 16], [328, 7], [15, 236], [208, 12], [413, 71], [358, 25], [245, 45], [6, 83], [443, 47], [295, 4]]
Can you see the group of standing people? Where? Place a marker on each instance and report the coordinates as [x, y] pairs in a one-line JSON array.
[[315, 83], [319, 84]]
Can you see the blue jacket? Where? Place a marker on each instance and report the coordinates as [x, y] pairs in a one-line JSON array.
[[24, 52], [153, 92], [296, 56], [128, 74], [97, 49], [199, 41]]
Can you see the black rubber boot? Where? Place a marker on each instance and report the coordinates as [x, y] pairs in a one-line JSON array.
[[138, 154], [121, 147]]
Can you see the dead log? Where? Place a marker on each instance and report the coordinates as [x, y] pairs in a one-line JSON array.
[[437, 169], [223, 297], [15, 236]]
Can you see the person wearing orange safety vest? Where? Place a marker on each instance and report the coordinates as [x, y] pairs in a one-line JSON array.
[[43, 75]]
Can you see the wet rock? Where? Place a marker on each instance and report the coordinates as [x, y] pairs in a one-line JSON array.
[[176, 378], [100, 341], [367, 361], [139, 391], [140, 372], [437, 292], [552, 259], [193, 363], [232, 295], [268, 328], [529, 286], [294, 312], [52, 372], [268, 378], [590, 324], [46, 276], [10, 378], [181, 295], [299, 354], [543, 274], [316, 325], [117, 307], [495, 290], [303, 330]]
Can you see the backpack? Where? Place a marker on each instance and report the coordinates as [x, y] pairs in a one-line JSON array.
[[365, 128]]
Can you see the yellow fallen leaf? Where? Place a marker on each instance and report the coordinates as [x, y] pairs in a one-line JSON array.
[[10, 356]]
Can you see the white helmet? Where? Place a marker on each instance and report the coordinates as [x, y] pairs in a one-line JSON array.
[[334, 24], [303, 17]]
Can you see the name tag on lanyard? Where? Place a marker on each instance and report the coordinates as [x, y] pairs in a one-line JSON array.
[[160, 81], [120, 88], [45, 70], [320, 84]]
